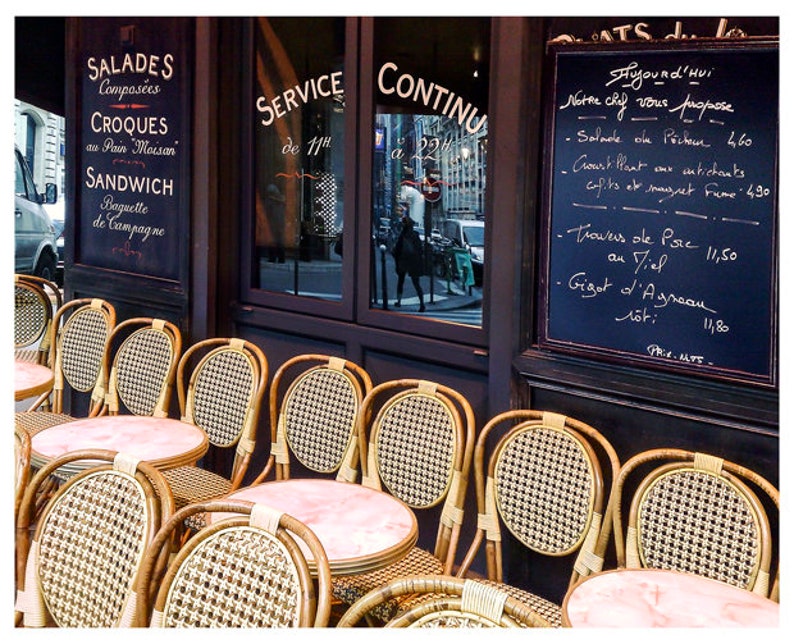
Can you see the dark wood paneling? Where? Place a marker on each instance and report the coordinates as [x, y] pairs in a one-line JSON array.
[[39, 52]]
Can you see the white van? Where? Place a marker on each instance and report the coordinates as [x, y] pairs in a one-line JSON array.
[[468, 234], [35, 250]]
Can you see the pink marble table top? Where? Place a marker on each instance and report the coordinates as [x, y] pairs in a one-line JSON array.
[[359, 528], [30, 378], [662, 598], [163, 441]]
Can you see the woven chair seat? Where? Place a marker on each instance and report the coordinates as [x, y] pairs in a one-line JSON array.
[[27, 355], [194, 485], [35, 421], [351, 588]]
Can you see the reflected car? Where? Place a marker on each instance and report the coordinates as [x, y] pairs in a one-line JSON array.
[[468, 234], [35, 250]]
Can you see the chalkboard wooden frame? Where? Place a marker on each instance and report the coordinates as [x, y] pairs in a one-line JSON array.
[[566, 325], [133, 148]]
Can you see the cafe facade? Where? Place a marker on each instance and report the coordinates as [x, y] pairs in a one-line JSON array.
[[247, 176]]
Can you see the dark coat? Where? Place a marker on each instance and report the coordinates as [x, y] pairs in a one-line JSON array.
[[408, 251]]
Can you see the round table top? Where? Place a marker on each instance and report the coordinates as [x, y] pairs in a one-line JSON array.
[[639, 598], [360, 528], [31, 379], [164, 442]]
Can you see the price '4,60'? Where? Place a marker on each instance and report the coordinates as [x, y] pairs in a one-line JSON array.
[[740, 141]]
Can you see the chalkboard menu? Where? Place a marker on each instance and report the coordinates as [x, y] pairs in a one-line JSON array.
[[134, 147], [660, 207]]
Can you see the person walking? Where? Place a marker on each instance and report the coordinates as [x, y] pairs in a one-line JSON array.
[[408, 259]]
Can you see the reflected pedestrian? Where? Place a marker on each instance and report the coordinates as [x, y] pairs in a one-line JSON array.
[[408, 260]]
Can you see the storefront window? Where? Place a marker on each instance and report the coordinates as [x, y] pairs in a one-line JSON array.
[[299, 156], [430, 139]]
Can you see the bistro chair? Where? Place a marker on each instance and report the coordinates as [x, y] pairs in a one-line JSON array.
[[81, 566], [144, 353], [314, 404], [21, 465], [78, 335], [445, 602], [543, 481], [252, 566], [35, 301], [696, 513], [222, 394], [418, 437]]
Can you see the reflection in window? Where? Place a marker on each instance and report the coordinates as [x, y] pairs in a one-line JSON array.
[[429, 167], [299, 156]]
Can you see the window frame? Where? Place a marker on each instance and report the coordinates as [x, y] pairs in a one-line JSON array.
[[344, 307], [354, 305], [373, 316]]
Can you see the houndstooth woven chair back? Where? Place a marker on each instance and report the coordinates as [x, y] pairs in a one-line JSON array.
[[81, 343], [33, 313], [223, 388], [145, 352], [542, 477], [315, 400], [416, 444], [544, 483], [697, 513]]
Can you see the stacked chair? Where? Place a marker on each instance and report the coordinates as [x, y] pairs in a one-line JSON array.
[[80, 570], [220, 386], [35, 301], [543, 481], [696, 513], [445, 602], [247, 569], [21, 465], [315, 400], [417, 438], [79, 332]]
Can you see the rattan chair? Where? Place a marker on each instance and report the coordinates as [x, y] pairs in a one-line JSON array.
[[314, 404], [144, 353], [248, 568], [35, 303], [52, 290], [445, 602], [544, 482], [223, 396], [696, 513], [21, 465], [80, 568], [78, 335], [418, 437]]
